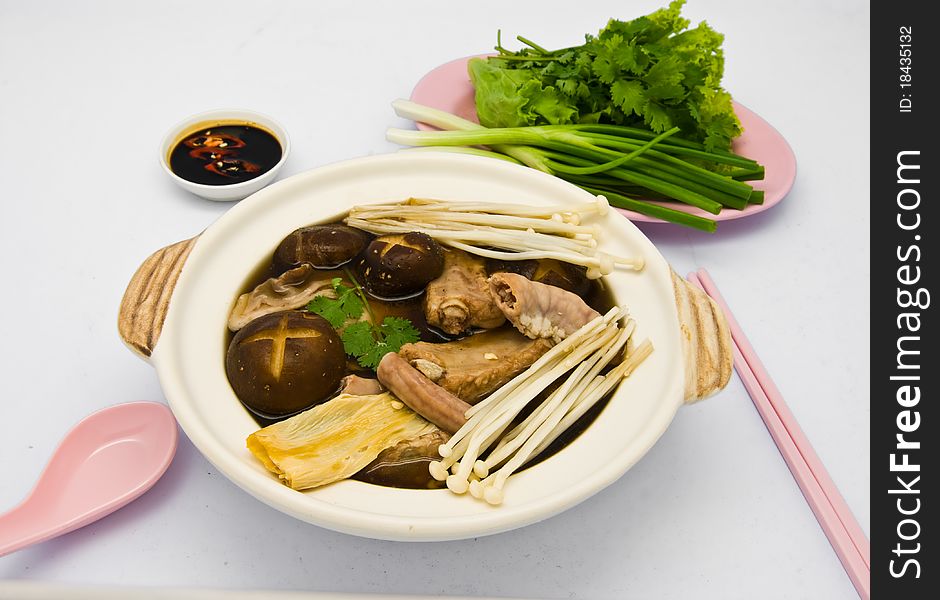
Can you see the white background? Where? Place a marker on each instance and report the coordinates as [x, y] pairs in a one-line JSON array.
[[88, 89]]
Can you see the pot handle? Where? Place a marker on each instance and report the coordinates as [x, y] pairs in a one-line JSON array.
[[706, 341], [147, 298]]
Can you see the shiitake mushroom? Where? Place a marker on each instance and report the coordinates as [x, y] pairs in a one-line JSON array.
[[323, 246], [567, 276], [285, 362], [526, 268], [564, 275], [405, 464], [400, 265]]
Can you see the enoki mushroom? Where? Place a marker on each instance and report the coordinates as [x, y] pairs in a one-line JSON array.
[[580, 359], [501, 231]]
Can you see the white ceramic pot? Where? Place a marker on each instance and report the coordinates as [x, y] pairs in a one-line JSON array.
[[175, 309]]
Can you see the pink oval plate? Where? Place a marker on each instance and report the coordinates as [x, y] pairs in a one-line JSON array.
[[448, 87]]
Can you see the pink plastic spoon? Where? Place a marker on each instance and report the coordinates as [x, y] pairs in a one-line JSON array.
[[110, 458]]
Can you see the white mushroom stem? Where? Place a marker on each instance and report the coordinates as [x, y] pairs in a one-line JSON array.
[[503, 238], [492, 485], [599, 206], [475, 218], [520, 433], [523, 241], [485, 409], [587, 351], [459, 482], [439, 469], [565, 214], [582, 356], [565, 346], [625, 368], [514, 395], [574, 386], [597, 265], [503, 231], [568, 394]]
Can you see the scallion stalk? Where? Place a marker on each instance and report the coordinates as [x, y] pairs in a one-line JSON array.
[[654, 210], [624, 163]]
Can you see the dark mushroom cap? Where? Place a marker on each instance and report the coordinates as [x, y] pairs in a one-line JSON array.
[[323, 246], [526, 268], [285, 362], [401, 265], [567, 276]]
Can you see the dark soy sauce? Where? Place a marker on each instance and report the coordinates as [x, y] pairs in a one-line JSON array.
[[225, 154]]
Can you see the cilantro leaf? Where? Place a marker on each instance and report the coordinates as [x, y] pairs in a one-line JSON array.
[[657, 118], [666, 91], [666, 21], [653, 70], [624, 54], [363, 340], [349, 301], [629, 96], [373, 357], [329, 309], [569, 87], [666, 71], [368, 344], [347, 305], [393, 333], [398, 332], [604, 66], [358, 338]]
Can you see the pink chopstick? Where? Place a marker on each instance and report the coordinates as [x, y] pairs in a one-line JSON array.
[[834, 516]]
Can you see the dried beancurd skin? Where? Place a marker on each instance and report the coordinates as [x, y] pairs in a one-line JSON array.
[[334, 440]]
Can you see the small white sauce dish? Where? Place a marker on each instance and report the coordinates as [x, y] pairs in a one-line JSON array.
[[215, 118]]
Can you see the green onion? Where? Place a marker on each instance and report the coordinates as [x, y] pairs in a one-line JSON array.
[[654, 210], [626, 164]]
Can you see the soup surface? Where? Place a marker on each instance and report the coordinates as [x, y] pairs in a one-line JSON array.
[[410, 470]]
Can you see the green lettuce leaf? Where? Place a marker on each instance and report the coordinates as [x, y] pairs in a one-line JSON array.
[[497, 93]]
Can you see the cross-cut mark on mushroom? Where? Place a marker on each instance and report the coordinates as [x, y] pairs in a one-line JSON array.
[[279, 339], [282, 363]]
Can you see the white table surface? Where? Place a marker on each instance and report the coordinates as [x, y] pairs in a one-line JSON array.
[[88, 89]]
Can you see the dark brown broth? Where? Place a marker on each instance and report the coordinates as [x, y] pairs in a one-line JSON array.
[[599, 297]]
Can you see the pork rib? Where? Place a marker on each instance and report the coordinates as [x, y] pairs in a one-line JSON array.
[[459, 299], [475, 366]]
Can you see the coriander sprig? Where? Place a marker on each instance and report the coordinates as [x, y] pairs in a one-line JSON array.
[[369, 343], [366, 341], [347, 305]]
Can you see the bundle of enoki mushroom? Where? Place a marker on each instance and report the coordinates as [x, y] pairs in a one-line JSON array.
[[500, 231], [583, 356]]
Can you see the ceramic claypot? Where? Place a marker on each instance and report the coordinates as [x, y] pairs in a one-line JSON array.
[[175, 309]]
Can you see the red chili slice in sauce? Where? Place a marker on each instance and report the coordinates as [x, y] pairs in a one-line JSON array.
[[225, 154]]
